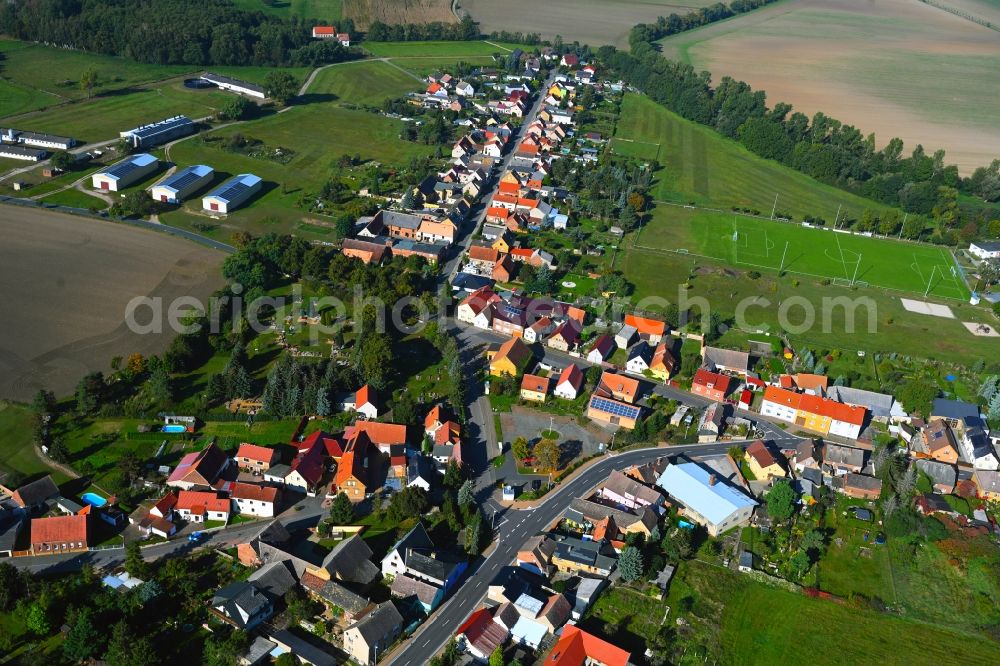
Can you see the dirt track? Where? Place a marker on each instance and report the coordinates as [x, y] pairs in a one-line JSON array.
[[65, 283]]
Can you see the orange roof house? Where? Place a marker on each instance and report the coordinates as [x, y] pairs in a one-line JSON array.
[[534, 388], [809, 382], [254, 458], [333, 445], [382, 435], [511, 359], [813, 412], [663, 364], [763, 463], [651, 329], [503, 270], [352, 471], [483, 254], [576, 648], [619, 387], [59, 534]]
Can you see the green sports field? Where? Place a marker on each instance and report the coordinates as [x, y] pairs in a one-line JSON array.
[[702, 167], [752, 243], [364, 82]]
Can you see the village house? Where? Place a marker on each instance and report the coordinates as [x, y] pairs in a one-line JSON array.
[[601, 350], [574, 555], [200, 507], [579, 648], [725, 360], [416, 540], [33, 496], [534, 388], [255, 459], [935, 441], [510, 359], [252, 500], [364, 401], [706, 499], [987, 484], [368, 252], [712, 423], [612, 402], [565, 337], [480, 635], [373, 633], [535, 555], [942, 475], [639, 358], [242, 605], [537, 331], [199, 469], [569, 383], [711, 385], [663, 364], [625, 491], [763, 463], [859, 486], [839, 460], [59, 534], [650, 330], [813, 413]]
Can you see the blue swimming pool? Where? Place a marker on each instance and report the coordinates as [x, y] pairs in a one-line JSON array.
[[174, 428], [93, 499]]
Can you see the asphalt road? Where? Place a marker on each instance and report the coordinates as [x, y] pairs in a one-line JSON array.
[[512, 529]]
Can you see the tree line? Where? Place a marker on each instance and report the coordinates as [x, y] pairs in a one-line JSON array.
[[463, 31], [822, 147], [171, 32]]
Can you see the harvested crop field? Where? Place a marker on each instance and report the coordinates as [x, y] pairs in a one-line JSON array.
[[67, 281], [896, 67], [594, 22], [366, 12]]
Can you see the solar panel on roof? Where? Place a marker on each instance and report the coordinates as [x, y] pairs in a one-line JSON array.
[[614, 408], [183, 179], [233, 191]]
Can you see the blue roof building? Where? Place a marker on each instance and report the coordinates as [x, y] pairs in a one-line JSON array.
[[707, 499], [232, 193], [122, 174], [181, 184]]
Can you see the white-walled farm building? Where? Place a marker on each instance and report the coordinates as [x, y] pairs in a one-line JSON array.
[[37, 140], [159, 132], [122, 174], [21, 153], [234, 85], [181, 184], [231, 194]]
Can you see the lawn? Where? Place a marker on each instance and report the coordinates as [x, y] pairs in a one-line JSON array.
[[763, 625], [753, 243], [702, 167], [659, 277], [75, 199], [16, 451], [319, 134], [102, 118], [364, 82], [450, 49], [424, 65], [844, 569], [320, 10], [634, 616]]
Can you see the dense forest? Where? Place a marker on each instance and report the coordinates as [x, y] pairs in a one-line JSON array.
[[821, 147], [207, 32]]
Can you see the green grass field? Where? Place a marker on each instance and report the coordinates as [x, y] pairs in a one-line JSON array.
[[75, 198], [752, 243], [423, 65], [364, 82], [702, 167], [319, 133], [761, 625], [102, 118], [437, 49], [16, 450], [321, 10]]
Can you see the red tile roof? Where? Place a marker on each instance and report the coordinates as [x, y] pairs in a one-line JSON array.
[[576, 646], [712, 380], [759, 452], [165, 504], [621, 385], [573, 375], [198, 502], [379, 434], [324, 30], [59, 529], [353, 462], [535, 384], [251, 491], [309, 464], [481, 631], [365, 395], [263, 454], [333, 445]]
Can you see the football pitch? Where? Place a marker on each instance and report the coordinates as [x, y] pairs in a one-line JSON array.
[[843, 258]]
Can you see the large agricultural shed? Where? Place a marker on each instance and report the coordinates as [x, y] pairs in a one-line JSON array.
[[20, 153], [234, 85], [124, 173], [37, 140], [159, 132], [181, 184], [232, 193]]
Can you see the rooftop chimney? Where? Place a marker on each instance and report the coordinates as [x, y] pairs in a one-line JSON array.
[[711, 479]]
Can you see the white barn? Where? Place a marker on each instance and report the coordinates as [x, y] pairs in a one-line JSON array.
[[234, 85], [20, 153], [122, 174], [232, 193], [181, 184], [159, 132]]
